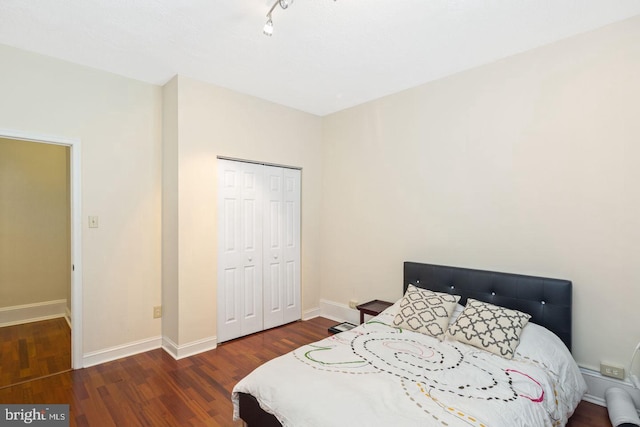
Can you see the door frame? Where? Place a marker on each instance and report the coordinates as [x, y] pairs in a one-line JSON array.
[[75, 180]]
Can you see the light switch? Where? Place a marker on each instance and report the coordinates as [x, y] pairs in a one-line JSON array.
[[93, 222]]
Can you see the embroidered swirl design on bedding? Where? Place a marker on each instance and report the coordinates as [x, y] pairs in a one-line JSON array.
[[430, 375], [438, 367]]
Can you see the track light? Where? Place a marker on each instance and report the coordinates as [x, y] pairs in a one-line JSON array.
[[268, 28]]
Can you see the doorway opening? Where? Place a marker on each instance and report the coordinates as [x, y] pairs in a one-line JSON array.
[[55, 259]]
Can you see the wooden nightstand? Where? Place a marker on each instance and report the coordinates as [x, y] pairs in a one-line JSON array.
[[372, 308]]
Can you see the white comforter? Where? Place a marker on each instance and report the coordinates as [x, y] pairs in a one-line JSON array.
[[378, 375]]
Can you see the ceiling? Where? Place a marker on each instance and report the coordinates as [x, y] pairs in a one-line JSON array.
[[324, 55]]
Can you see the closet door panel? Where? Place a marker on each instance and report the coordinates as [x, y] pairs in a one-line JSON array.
[[251, 231], [230, 287], [291, 245], [239, 250], [272, 298], [229, 253], [258, 248], [251, 310], [273, 253]]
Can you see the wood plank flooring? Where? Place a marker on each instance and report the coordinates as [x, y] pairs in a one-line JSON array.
[[153, 389], [33, 350]]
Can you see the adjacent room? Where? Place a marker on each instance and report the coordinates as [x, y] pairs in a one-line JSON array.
[[189, 190]]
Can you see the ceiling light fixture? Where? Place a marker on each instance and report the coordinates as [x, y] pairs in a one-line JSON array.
[[268, 27]]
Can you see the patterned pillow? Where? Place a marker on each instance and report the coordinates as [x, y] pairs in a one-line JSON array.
[[425, 311], [489, 327]]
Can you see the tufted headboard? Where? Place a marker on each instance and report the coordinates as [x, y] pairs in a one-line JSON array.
[[548, 301]]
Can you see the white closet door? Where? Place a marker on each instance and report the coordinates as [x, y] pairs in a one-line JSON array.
[[281, 246], [240, 268], [273, 248], [291, 245]]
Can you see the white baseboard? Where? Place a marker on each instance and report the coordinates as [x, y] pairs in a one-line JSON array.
[[185, 350], [18, 314], [597, 385], [339, 312], [129, 349], [67, 316], [310, 314], [120, 351]]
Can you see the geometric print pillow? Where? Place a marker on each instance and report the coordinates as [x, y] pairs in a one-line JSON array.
[[425, 311], [489, 327]]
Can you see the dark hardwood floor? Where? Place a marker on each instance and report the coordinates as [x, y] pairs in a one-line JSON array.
[[33, 350], [153, 389]]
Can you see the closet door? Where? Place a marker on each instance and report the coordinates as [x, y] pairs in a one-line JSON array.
[[240, 305], [281, 246], [291, 249]]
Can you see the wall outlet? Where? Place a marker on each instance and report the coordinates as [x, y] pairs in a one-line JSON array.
[[613, 371], [157, 311], [353, 303]]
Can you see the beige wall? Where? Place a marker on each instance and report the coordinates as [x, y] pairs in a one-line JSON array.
[[524, 165], [118, 121], [527, 165], [170, 255], [34, 223], [212, 121]]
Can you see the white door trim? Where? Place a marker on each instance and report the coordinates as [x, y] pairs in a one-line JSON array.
[[76, 231]]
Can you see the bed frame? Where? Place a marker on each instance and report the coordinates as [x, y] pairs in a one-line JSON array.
[[548, 301]]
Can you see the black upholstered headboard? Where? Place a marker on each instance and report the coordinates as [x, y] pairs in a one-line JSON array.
[[548, 301]]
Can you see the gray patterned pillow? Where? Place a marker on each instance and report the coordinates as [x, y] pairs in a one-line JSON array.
[[489, 327], [425, 311]]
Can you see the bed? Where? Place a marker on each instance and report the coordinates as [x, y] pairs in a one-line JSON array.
[[383, 374]]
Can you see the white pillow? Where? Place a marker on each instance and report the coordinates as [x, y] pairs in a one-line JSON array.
[[489, 327], [425, 311]]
